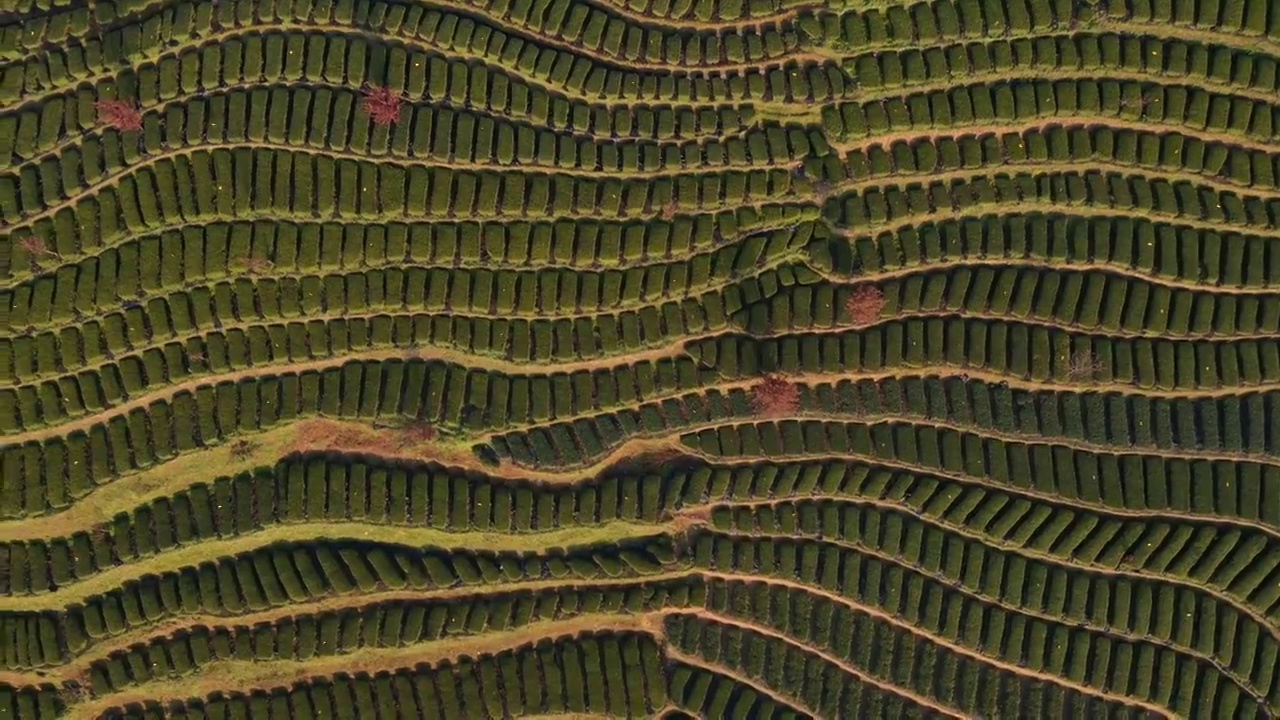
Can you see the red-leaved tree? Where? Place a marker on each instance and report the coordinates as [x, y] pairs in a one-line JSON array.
[[865, 304], [417, 432], [775, 396], [120, 114], [35, 247], [383, 105]]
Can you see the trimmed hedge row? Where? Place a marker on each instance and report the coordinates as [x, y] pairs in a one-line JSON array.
[[1234, 424], [1177, 106], [1044, 584], [1092, 299], [1165, 250], [220, 244], [1056, 649], [815, 685], [399, 624], [249, 183], [1119, 192], [551, 677], [483, 68], [282, 574], [67, 297], [701, 693], [1217, 66], [326, 120], [962, 343], [316, 490], [1170, 152], [208, 252]]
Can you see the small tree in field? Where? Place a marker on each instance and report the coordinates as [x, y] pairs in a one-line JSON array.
[[36, 247], [383, 105], [775, 396], [120, 114], [417, 432], [865, 304], [1082, 366]]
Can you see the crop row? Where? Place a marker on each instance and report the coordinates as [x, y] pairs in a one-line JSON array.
[[52, 473], [1168, 152], [612, 38], [1039, 580], [70, 240], [284, 574], [1057, 467], [1222, 489], [1087, 299], [143, 28], [247, 182], [327, 121], [614, 674], [1095, 190], [711, 694], [1192, 108], [66, 296], [231, 114], [914, 23], [1122, 668], [480, 398], [1228, 16], [520, 340], [1075, 297], [320, 491], [304, 246], [1237, 425], [1094, 300], [1209, 65], [964, 344], [461, 69], [879, 651], [303, 638], [1171, 252], [808, 682], [31, 702], [171, 259]]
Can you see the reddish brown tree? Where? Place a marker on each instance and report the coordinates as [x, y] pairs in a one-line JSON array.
[[35, 247], [865, 304], [120, 114], [417, 432], [775, 396], [383, 105]]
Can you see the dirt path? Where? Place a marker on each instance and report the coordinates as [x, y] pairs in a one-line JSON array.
[[429, 353], [1032, 72], [980, 597], [1240, 606], [484, 361], [857, 673], [959, 649], [986, 433], [131, 490], [1044, 264], [1068, 122], [20, 276], [1239, 40], [1048, 207], [760, 689], [206, 550], [245, 676], [25, 224], [78, 666]]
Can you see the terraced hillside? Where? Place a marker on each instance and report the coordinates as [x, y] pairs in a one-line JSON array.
[[645, 358]]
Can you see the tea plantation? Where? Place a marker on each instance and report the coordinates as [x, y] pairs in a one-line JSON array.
[[737, 359]]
